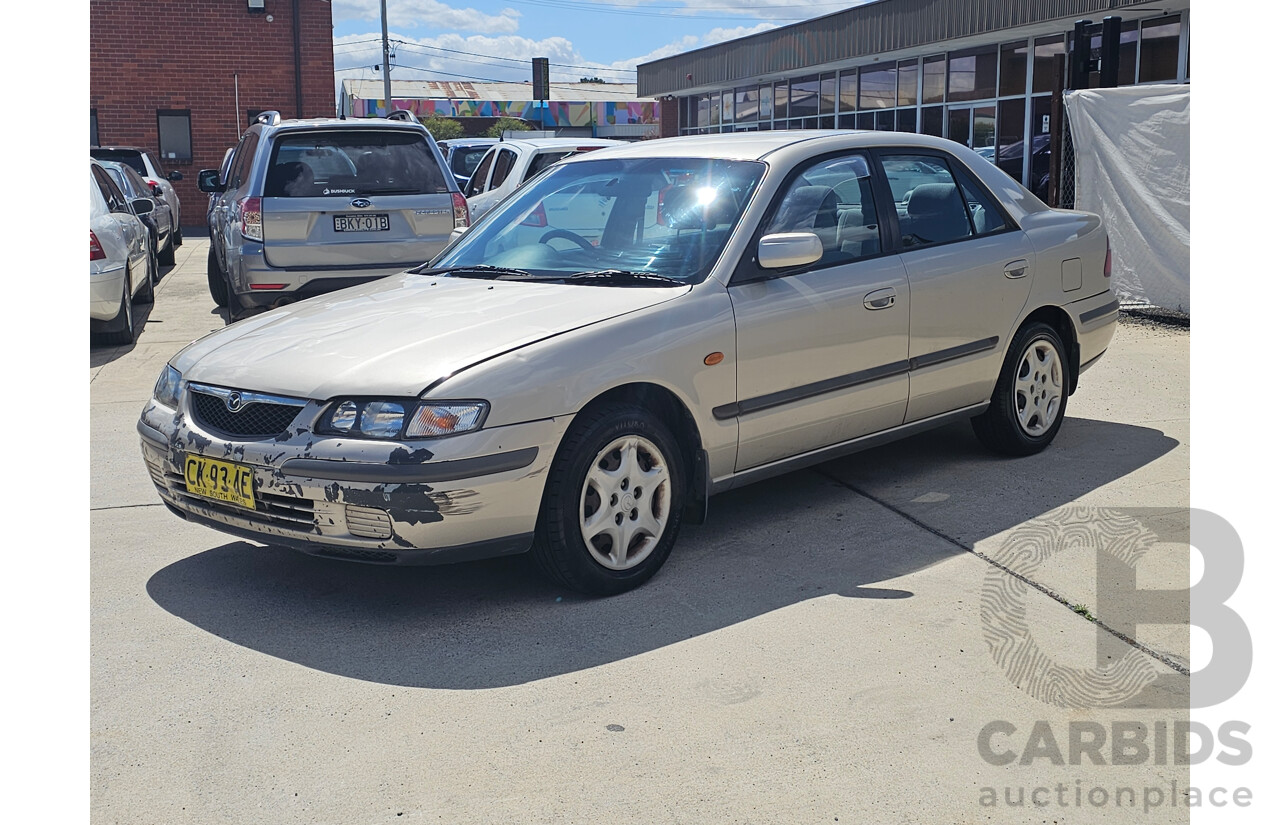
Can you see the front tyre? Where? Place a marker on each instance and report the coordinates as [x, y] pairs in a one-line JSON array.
[[217, 281], [1030, 399], [613, 502]]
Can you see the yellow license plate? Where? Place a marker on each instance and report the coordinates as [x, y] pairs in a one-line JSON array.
[[219, 480]]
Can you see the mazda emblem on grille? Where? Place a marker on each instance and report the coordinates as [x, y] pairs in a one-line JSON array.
[[234, 402], [362, 203]]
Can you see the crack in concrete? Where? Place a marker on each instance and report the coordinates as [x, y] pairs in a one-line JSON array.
[[1159, 657]]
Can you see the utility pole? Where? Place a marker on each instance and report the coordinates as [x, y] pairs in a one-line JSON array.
[[386, 62]]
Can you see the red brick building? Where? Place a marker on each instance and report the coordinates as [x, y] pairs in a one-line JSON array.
[[165, 76]]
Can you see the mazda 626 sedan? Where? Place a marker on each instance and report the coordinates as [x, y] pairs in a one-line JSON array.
[[631, 332]]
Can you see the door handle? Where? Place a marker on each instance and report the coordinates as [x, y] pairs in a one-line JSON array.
[[880, 299], [1016, 269]]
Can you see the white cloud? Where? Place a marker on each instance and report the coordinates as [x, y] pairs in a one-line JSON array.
[[689, 42], [476, 57], [414, 13]]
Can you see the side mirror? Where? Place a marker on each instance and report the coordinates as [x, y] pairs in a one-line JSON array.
[[788, 249], [207, 181], [142, 206], [174, 176]]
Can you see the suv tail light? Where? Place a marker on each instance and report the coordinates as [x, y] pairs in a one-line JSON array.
[[251, 218], [95, 248], [461, 217], [1106, 265]]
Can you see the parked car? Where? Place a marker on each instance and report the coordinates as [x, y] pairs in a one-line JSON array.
[[121, 258], [309, 206], [744, 305], [159, 220], [510, 163], [463, 155], [148, 165]]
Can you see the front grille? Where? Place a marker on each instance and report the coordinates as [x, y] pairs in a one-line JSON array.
[[257, 419], [274, 510]]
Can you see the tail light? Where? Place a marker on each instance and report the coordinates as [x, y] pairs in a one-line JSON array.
[[251, 218], [1106, 264], [95, 248], [538, 217], [461, 217]]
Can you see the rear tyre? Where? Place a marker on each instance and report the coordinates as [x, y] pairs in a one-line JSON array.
[[167, 257], [147, 293], [613, 502], [217, 281], [122, 325], [1030, 399], [177, 235]]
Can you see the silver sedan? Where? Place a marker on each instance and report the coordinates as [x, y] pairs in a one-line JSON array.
[[640, 328]]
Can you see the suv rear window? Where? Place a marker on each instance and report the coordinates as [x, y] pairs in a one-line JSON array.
[[363, 162], [128, 156]]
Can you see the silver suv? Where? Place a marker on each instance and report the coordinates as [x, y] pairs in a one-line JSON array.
[[310, 206]]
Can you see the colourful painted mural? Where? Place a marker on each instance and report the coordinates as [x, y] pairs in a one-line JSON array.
[[551, 114]]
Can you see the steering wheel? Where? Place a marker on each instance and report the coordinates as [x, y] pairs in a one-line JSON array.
[[569, 236]]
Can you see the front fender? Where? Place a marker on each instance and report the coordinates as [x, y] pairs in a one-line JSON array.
[[665, 345]]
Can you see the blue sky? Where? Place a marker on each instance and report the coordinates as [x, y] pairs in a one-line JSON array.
[[496, 39]]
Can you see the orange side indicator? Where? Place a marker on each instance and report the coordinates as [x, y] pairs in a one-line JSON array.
[[713, 359]]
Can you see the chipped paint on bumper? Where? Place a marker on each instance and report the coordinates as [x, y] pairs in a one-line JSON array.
[[447, 499]]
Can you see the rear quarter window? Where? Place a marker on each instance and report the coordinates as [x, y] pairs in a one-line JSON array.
[[357, 162]]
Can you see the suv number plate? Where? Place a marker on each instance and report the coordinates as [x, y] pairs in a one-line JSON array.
[[361, 223]]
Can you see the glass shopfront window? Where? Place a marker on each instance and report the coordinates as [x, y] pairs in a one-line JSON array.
[[877, 86], [804, 97], [848, 91], [971, 74], [827, 98], [1013, 69], [908, 77], [747, 107], [935, 78], [780, 100], [1159, 60], [1047, 49], [766, 103]]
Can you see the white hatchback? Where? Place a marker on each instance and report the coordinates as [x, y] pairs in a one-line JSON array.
[[510, 163]]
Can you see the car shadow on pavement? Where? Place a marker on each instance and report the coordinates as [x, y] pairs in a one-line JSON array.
[[495, 623]]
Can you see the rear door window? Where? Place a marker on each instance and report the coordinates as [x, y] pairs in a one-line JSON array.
[[476, 185], [356, 162], [502, 167], [931, 208]]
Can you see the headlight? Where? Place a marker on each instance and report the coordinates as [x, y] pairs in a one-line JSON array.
[[169, 388], [387, 417]]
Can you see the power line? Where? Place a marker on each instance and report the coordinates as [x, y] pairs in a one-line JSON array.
[[504, 59]]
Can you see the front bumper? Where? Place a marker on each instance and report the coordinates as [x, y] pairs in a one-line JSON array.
[[424, 502]]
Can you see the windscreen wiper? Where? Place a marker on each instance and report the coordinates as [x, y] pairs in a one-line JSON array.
[[475, 271], [624, 276]]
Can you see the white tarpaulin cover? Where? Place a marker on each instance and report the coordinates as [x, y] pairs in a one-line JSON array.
[[1133, 167]]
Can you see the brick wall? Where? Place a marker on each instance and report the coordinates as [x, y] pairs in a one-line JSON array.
[[669, 116], [147, 55]]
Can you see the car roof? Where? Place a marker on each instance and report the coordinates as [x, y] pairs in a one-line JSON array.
[[120, 149], [758, 145], [343, 122], [561, 143]]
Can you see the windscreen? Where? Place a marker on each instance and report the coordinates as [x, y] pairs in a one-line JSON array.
[[127, 156], [659, 216], [358, 162]]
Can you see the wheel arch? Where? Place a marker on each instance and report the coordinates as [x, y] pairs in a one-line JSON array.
[[675, 414], [1058, 318]]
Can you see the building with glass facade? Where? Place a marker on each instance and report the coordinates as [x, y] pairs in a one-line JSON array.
[[981, 72]]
